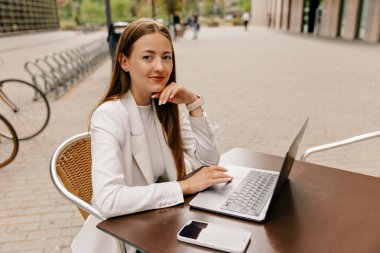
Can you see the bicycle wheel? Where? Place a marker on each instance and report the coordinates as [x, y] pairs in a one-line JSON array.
[[8, 144], [27, 108]]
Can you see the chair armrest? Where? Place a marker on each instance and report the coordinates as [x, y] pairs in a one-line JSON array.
[[61, 187], [340, 143], [74, 199]]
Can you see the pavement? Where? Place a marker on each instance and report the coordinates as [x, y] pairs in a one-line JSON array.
[[259, 86]]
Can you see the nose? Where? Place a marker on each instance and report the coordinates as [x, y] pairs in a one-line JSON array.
[[158, 66]]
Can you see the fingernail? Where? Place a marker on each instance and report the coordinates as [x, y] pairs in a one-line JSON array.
[[159, 102]]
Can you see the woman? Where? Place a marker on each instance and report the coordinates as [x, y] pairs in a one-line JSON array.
[[139, 135]]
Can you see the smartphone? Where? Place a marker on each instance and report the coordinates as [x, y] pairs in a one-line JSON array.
[[214, 236]]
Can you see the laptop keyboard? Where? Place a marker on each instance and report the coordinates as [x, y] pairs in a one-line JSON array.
[[252, 193]]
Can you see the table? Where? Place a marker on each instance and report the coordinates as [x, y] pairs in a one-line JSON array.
[[321, 209]]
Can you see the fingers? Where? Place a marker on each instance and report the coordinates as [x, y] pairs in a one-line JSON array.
[[174, 93], [163, 95], [222, 180], [168, 93], [220, 175], [215, 168], [217, 173], [205, 178]]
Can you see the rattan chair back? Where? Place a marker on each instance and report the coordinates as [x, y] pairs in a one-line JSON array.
[[74, 169], [70, 171]]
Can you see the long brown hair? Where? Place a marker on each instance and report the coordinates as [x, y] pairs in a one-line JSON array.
[[168, 114]]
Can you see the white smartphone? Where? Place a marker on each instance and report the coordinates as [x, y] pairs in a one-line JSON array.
[[215, 236]]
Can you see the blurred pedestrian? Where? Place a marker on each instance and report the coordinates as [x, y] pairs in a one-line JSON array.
[[188, 21], [195, 24], [269, 16], [245, 19], [177, 24]]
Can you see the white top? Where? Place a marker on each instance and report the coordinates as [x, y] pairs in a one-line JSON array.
[[245, 16], [147, 118]]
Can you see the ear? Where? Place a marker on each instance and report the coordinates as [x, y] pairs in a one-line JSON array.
[[123, 60]]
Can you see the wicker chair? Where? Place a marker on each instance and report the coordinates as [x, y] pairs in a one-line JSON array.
[[70, 170]]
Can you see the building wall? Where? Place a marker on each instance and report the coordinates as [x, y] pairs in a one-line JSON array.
[[373, 23], [296, 10], [260, 12], [288, 15], [330, 18], [285, 14], [351, 17], [21, 16], [278, 15], [272, 11]]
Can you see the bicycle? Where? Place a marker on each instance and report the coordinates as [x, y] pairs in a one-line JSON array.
[[9, 142], [27, 108]]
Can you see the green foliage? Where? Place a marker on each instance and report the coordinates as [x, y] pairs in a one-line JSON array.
[[68, 24], [145, 11], [164, 10], [79, 12], [207, 8], [93, 12], [191, 6], [69, 12], [211, 22], [245, 5], [237, 21], [120, 10]]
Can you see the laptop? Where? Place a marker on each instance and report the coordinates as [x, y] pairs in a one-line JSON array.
[[252, 192]]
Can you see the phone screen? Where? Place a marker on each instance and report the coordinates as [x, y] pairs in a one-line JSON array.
[[208, 234]]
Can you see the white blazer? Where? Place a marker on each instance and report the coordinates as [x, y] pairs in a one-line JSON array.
[[122, 175]]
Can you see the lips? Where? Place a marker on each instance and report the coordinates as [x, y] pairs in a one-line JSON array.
[[157, 78]]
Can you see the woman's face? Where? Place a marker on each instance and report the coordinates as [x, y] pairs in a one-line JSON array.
[[150, 65]]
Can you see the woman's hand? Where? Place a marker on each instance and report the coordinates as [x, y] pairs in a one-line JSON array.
[[175, 93], [203, 179]]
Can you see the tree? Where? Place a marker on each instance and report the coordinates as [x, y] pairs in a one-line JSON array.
[[167, 7], [120, 10], [93, 12], [245, 5], [69, 11]]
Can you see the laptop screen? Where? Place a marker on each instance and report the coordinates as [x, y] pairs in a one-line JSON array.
[[287, 165]]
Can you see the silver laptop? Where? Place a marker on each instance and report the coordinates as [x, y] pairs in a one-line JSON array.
[[252, 192]]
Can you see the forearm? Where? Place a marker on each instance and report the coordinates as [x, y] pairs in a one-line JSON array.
[[119, 200], [204, 148]]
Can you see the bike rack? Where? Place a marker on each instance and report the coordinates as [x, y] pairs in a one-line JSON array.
[[56, 72]]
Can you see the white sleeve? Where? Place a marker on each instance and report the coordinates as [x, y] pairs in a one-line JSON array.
[[199, 140], [111, 195]]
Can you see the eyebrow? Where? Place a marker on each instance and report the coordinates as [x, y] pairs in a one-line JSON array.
[[153, 52]]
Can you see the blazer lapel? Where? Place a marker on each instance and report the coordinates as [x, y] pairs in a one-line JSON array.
[[140, 149], [167, 156]]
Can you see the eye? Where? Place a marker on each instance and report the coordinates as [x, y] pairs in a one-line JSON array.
[[147, 57], [167, 58]]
